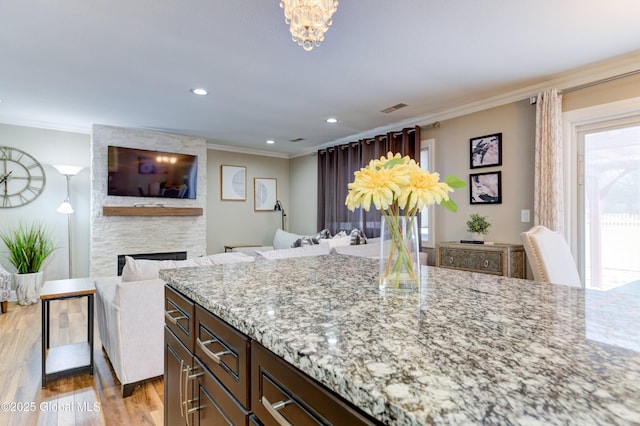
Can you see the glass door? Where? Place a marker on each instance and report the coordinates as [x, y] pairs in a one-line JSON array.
[[609, 200]]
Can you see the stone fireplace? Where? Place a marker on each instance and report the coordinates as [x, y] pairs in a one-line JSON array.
[[113, 235]]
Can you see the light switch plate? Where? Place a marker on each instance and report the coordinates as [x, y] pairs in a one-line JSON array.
[[525, 216]]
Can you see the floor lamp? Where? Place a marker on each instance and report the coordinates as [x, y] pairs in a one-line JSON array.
[[65, 207], [278, 208]]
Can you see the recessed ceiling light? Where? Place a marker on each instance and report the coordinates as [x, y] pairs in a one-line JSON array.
[[270, 142], [199, 92], [332, 120]]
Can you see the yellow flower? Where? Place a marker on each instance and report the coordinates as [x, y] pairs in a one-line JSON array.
[[375, 185], [399, 182], [423, 189]]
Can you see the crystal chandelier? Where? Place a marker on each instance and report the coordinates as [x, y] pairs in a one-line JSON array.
[[308, 20]]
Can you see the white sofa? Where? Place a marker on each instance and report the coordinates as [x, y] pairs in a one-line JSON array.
[[338, 244], [130, 313]]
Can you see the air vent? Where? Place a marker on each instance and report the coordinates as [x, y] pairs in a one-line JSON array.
[[297, 140], [394, 108]]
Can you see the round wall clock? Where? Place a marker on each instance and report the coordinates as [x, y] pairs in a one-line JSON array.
[[22, 177]]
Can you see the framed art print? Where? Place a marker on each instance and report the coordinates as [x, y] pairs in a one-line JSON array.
[[486, 151], [485, 188], [264, 193], [233, 183]]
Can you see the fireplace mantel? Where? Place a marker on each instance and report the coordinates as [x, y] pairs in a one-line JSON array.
[[151, 211]]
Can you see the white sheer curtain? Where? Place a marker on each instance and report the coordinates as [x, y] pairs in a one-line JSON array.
[[548, 183]]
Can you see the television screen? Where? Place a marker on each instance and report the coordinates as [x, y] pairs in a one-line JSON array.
[[143, 173]]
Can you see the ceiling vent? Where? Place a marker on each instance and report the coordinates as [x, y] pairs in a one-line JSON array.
[[394, 108], [297, 140]]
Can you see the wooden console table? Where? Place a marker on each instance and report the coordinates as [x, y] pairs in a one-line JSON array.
[[74, 357], [499, 259]]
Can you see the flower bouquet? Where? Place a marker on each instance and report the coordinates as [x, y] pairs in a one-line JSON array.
[[399, 188]]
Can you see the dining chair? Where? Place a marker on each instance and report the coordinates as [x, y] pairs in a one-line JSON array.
[[550, 257]]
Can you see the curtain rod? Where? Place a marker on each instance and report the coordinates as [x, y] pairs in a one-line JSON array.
[[598, 82], [534, 99]]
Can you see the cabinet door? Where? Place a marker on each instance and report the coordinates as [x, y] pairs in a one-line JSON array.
[[280, 393], [179, 313], [213, 405], [177, 361], [225, 352]]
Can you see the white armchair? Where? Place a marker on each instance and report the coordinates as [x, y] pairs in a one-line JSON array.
[[130, 314], [550, 257]]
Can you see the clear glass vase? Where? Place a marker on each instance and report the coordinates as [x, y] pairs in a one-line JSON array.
[[399, 253]]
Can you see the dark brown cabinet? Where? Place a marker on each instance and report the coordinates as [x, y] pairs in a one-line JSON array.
[[177, 362], [178, 358], [216, 375], [280, 393]]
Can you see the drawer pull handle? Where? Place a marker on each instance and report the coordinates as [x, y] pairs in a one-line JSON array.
[[185, 402], [173, 320], [486, 263], [182, 371], [194, 409], [273, 410], [214, 356]]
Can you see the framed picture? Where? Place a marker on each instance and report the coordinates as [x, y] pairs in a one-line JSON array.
[[233, 183], [486, 151], [264, 193], [485, 188]]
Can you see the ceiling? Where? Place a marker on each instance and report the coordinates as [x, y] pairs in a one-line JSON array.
[[68, 64]]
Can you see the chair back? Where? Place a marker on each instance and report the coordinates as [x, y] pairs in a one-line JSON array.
[[550, 257]]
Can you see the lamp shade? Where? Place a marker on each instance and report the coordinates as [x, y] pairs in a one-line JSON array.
[[65, 208], [67, 170]]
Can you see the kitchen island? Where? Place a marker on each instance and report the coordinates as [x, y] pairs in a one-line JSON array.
[[469, 348]]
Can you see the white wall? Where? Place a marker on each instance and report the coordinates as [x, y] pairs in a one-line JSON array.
[[516, 121], [304, 194], [53, 147], [236, 222]]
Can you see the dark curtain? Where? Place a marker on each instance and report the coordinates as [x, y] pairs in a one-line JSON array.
[[336, 166]]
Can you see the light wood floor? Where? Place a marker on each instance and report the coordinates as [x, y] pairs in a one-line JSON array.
[[71, 400]]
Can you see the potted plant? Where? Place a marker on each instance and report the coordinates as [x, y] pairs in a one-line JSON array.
[[28, 246], [478, 226]]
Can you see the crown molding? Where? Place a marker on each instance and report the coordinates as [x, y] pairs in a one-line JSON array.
[[249, 151], [47, 125]]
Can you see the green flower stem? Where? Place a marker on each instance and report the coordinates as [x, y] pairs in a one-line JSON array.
[[399, 244]]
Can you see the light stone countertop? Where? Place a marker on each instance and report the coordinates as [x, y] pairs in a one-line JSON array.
[[468, 348]]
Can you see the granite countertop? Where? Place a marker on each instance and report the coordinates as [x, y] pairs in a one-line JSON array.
[[468, 348]]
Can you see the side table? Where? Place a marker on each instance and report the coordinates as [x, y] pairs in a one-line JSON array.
[[499, 259], [230, 248], [74, 357]]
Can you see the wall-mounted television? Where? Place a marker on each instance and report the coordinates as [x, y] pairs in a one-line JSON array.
[[144, 173]]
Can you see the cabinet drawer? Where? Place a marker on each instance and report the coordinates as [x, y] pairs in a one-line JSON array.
[[280, 390], [480, 261], [179, 316], [216, 406], [225, 352]]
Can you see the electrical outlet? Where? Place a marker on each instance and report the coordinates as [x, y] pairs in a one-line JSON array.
[[525, 216]]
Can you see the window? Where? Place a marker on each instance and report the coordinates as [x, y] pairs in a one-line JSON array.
[[609, 202], [427, 215], [601, 186]]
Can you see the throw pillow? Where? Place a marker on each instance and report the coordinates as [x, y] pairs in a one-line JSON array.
[[284, 240], [144, 269], [358, 237], [337, 241]]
